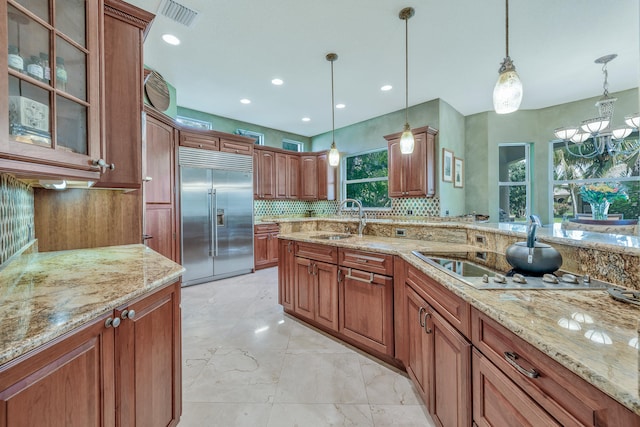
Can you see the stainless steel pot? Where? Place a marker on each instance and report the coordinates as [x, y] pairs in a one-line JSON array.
[[544, 258]]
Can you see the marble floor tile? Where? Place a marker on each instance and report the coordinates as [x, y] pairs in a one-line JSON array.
[[247, 363]]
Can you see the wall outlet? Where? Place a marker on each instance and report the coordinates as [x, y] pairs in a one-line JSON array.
[[401, 232], [481, 239]]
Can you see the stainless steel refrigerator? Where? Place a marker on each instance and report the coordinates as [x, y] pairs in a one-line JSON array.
[[216, 201]]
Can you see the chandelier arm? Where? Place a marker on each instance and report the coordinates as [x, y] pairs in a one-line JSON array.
[[579, 153]]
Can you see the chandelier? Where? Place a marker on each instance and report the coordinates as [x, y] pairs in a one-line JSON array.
[[604, 138]]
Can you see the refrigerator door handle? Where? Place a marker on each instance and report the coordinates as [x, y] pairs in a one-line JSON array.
[[211, 216], [214, 223]]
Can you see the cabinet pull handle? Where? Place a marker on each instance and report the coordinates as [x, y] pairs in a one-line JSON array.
[[360, 279], [289, 246], [420, 319], [512, 357], [309, 269], [112, 322], [339, 275], [427, 329], [315, 269], [128, 314]]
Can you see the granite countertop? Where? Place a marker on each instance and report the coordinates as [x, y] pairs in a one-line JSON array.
[[45, 295], [601, 344]]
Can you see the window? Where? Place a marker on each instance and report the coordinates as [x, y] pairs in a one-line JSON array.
[[513, 182], [570, 172], [367, 178], [257, 136], [291, 145], [193, 123]]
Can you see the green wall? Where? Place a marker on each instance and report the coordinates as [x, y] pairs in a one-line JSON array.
[[272, 137]]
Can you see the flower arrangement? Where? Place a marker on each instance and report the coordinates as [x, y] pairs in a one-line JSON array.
[[603, 192]]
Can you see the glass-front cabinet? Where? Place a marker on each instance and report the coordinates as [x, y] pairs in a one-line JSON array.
[[50, 115]]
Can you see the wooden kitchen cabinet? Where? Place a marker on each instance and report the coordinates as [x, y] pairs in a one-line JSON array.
[[326, 178], [436, 355], [102, 374], [264, 174], [413, 175], [265, 241], [124, 29], [65, 139], [201, 140], [287, 173], [308, 177], [160, 220], [316, 284], [286, 273], [366, 299]]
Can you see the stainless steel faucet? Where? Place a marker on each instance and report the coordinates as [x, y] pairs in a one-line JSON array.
[[531, 235], [361, 214]]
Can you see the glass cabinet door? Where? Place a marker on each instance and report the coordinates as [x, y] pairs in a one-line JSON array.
[[53, 82]]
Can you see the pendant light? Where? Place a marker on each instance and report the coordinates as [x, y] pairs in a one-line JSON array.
[[507, 94], [334, 154], [407, 141]]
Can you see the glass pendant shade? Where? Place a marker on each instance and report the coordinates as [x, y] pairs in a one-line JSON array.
[[595, 125], [565, 133], [621, 132], [334, 155], [579, 138], [407, 142], [507, 94], [633, 120]]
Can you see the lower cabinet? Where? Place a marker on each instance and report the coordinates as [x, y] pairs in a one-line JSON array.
[[265, 245], [286, 273], [123, 368], [316, 292]]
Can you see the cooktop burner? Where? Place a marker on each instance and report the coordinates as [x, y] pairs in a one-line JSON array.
[[483, 277], [624, 295]]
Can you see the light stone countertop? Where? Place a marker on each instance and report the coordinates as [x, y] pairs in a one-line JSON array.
[[535, 316], [44, 295]]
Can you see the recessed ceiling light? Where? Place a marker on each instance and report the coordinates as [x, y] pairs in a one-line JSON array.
[[306, 119], [171, 39], [277, 82], [245, 101], [340, 106], [386, 88]]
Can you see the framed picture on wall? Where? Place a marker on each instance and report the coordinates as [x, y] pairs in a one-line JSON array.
[[458, 172], [447, 165]]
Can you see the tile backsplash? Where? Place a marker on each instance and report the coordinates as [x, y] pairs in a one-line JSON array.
[[16, 216], [400, 208]]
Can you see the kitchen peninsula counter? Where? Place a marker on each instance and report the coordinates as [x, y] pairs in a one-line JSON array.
[[45, 295], [601, 346]]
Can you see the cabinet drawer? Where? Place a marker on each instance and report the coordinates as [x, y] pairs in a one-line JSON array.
[[236, 147], [455, 310], [192, 140], [266, 228], [368, 261], [570, 399], [318, 252]]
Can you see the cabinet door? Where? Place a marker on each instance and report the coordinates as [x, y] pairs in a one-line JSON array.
[[159, 229], [366, 308], [159, 162], [308, 177], [450, 374], [326, 283], [199, 140], [419, 347], [281, 175], [260, 249], [498, 402], [326, 179], [70, 383], [286, 274], [236, 147], [51, 112], [148, 360], [256, 174], [267, 178], [123, 37], [414, 172], [293, 176], [272, 248], [396, 169], [304, 292]]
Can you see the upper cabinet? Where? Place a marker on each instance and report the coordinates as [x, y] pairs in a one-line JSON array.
[[413, 175], [124, 29], [51, 88], [216, 141]]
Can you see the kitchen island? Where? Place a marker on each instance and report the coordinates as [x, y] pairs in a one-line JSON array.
[[585, 332], [102, 323]]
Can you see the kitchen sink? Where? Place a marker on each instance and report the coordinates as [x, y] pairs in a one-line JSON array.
[[332, 236]]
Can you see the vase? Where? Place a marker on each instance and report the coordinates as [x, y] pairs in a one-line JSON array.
[[600, 210]]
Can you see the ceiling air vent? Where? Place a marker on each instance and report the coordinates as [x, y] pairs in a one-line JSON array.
[[177, 12]]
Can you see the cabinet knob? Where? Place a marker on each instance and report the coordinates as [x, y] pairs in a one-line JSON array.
[[147, 179], [200, 145], [100, 163], [128, 314], [115, 322]]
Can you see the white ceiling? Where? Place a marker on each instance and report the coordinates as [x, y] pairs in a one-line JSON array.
[[236, 47]]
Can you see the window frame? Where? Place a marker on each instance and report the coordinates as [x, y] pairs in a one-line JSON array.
[[187, 121], [344, 182], [251, 134], [526, 182], [300, 145]]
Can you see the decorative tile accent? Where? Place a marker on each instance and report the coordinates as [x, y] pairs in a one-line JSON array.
[[16, 216]]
